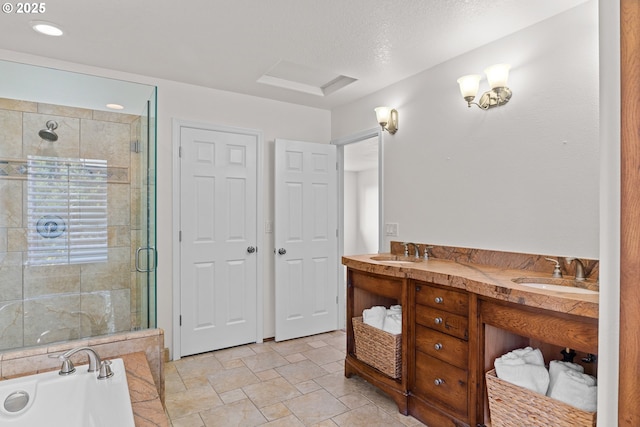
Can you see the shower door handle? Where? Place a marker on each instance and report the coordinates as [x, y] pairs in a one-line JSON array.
[[153, 259]]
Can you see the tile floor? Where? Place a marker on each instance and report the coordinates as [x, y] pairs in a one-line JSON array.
[[292, 383]]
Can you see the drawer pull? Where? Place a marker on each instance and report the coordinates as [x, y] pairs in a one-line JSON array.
[[438, 346], [439, 300], [438, 381], [438, 320], [418, 288]]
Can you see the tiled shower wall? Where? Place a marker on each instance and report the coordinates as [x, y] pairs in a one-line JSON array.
[[43, 304]]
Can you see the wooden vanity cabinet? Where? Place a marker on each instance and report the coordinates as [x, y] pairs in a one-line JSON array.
[[450, 338], [365, 290], [441, 375]]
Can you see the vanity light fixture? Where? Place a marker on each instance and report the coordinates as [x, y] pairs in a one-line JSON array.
[[388, 119], [499, 94], [46, 28]]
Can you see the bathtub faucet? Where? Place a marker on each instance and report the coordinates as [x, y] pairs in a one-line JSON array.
[[95, 364]]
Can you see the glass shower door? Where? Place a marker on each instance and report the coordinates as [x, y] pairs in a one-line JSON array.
[[144, 245]]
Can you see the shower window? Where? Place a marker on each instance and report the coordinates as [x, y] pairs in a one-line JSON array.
[[66, 210]]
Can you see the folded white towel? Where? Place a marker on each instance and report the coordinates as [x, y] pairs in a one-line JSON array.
[[374, 316], [395, 309], [558, 366], [524, 367], [393, 323], [576, 389]]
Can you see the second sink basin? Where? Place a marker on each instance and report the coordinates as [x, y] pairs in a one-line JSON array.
[[395, 259], [556, 285]]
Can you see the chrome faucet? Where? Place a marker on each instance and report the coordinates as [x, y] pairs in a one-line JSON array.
[[556, 270], [425, 253], [95, 364], [94, 359], [415, 246], [579, 268]]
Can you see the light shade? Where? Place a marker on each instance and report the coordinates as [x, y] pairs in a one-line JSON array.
[[382, 115], [469, 85], [387, 118], [497, 75]]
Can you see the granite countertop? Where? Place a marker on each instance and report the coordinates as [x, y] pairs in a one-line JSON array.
[[145, 401], [489, 281]]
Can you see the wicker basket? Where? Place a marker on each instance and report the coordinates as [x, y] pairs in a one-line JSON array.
[[378, 348], [514, 406]]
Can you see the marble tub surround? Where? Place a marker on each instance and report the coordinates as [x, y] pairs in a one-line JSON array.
[[510, 260], [42, 304], [483, 279], [36, 359], [147, 407]]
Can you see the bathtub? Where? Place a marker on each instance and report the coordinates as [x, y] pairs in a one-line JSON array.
[[76, 400]]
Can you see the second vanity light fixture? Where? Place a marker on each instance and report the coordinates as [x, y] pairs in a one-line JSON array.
[[387, 118], [499, 94]]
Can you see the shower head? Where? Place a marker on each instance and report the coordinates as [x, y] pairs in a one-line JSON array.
[[48, 133]]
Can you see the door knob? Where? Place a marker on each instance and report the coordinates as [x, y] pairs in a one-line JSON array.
[[282, 251], [251, 249]]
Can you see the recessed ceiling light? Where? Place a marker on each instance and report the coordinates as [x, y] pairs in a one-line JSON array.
[[46, 28], [115, 106]]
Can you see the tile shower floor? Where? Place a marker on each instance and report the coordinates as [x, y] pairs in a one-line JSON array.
[[291, 383]]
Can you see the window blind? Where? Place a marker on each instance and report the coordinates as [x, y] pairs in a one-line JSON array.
[[66, 210]]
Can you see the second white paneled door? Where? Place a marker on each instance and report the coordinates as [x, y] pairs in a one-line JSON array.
[[218, 258], [306, 238]]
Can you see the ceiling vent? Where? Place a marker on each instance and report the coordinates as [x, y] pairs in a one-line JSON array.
[[304, 79]]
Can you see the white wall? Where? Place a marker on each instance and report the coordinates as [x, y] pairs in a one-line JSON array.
[[350, 213], [361, 212], [367, 211], [523, 177], [609, 303], [198, 104]]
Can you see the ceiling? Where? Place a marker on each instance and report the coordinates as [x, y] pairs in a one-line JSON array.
[[324, 52]]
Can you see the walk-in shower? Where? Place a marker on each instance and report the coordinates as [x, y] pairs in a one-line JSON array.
[[77, 218]]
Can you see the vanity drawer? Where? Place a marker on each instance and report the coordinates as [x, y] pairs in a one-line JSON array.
[[443, 321], [437, 380], [442, 346], [442, 299]]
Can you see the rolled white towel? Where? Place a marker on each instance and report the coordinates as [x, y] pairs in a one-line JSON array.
[[374, 316], [529, 355], [393, 323], [576, 389], [525, 368], [558, 366]]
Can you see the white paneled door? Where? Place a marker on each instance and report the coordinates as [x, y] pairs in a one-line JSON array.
[[218, 255], [306, 238]]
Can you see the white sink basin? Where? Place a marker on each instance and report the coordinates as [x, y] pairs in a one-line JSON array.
[[397, 262], [558, 288], [395, 259]]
